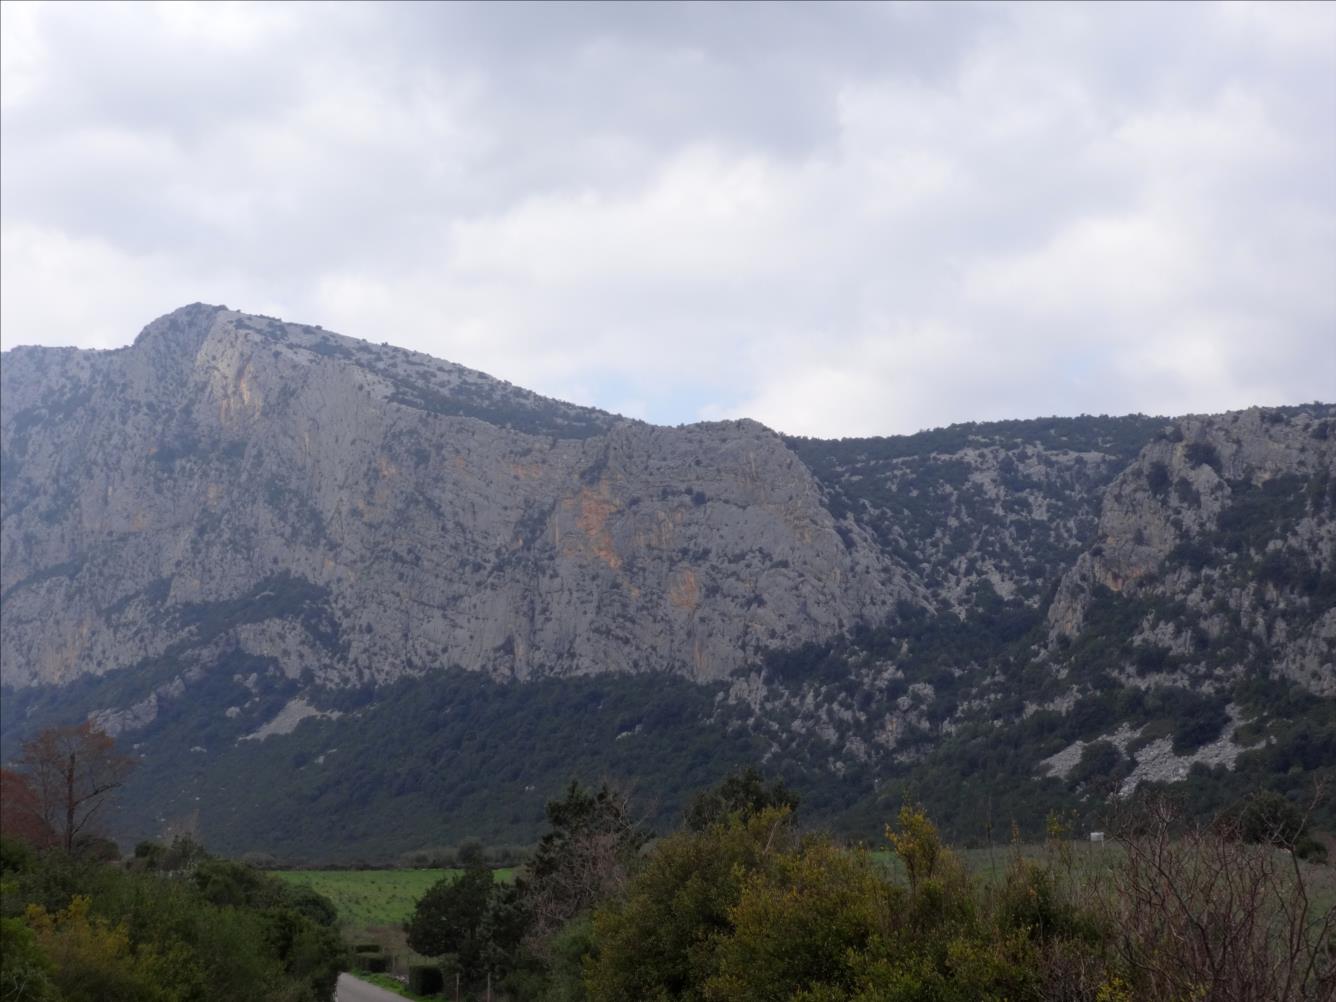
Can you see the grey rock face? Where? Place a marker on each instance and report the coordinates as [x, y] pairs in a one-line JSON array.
[[214, 541], [1231, 516], [352, 512]]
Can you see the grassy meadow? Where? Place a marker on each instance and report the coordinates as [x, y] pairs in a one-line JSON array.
[[367, 899], [376, 899], [989, 865], [1091, 863]]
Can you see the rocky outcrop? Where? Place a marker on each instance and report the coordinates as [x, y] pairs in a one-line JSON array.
[[348, 512], [1230, 517]]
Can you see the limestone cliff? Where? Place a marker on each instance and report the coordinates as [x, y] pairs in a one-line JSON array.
[[355, 512], [389, 586], [1226, 523]]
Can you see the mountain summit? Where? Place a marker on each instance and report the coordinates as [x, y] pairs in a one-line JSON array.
[[376, 511]]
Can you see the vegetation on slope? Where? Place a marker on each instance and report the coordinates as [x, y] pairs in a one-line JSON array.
[[741, 905], [172, 925]]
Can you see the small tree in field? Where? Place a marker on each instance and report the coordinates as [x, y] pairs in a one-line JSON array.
[[73, 771]]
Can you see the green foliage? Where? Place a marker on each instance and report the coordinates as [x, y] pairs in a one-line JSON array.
[[592, 843], [661, 939], [561, 979], [425, 979], [113, 933], [366, 898], [15, 856], [920, 848], [1157, 479], [917, 495], [1034, 900], [743, 793], [448, 756], [1272, 819], [94, 961], [1203, 454], [1201, 725], [803, 927], [26, 973], [449, 916], [1101, 762], [749, 911]]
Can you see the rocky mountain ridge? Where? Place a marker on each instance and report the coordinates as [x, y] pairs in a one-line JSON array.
[[397, 513], [245, 544]]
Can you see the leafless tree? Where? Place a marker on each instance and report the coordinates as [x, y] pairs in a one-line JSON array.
[[73, 771], [1201, 914]]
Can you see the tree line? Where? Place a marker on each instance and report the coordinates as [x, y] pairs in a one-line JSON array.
[[741, 904], [169, 924]]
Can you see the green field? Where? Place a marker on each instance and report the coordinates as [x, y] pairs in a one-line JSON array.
[[990, 865], [384, 899], [1091, 862], [369, 898]]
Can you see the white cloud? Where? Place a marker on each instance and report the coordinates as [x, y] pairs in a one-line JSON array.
[[870, 220], [57, 288]]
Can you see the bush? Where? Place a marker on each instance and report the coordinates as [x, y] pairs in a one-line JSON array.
[[1157, 479], [373, 963], [1201, 722], [1272, 819], [95, 960], [1204, 454], [666, 928], [1100, 761], [743, 793], [26, 972], [806, 925], [120, 932], [425, 979]]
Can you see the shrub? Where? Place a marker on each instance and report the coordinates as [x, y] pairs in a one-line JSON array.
[[425, 979], [1100, 760], [1157, 478], [1270, 818], [802, 927], [1204, 454], [1201, 914], [26, 972], [743, 793], [373, 963], [94, 960], [665, 930], [1200, 722]]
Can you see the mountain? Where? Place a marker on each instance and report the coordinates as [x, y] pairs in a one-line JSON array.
[[311, 578], [355, 513]]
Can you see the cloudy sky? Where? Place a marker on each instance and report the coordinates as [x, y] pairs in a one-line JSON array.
[[836, 219]]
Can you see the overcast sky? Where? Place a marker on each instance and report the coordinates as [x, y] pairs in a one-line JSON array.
[[837, 220]]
